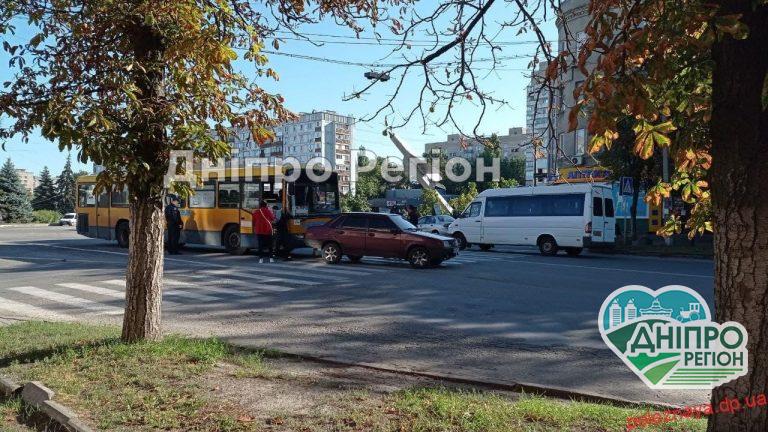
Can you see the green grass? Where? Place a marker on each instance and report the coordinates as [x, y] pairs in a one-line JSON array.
[[158, 386], [143, 386], [440, 409]]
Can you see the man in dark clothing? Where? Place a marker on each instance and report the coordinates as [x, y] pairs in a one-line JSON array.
[[174, 224], [413, 215]]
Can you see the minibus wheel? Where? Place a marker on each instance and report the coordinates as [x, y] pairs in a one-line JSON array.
[[547, 245], [486, 247], [573, 251]]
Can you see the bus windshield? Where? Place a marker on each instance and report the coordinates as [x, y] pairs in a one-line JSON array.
[[315, 198]]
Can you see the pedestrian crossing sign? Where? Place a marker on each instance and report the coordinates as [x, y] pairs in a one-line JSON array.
[[626, 186]]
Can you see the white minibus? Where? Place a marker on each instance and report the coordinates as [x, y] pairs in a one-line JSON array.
[[566, 217]]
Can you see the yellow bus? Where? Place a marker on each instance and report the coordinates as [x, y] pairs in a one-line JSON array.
[[219, 211]]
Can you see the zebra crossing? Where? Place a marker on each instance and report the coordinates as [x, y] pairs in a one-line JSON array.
[[186, 288]]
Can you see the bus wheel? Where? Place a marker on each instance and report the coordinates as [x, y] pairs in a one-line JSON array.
[[122, 233], [547, 245], [573, 251], [231, 240], [461, 240]]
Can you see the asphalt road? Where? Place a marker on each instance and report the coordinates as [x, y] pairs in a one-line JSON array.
[[507, 315]]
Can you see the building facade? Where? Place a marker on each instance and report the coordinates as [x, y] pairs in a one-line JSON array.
[[573, 145], [28, 179], [319, 134], [540, 121], [456, 145]]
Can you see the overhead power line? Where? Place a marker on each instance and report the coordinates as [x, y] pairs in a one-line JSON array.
[[399, 40], [386, 65]]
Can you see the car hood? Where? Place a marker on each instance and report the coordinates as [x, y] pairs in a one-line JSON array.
[[430, 235]]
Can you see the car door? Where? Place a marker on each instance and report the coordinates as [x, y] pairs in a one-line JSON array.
[[385, 239], [473, 223], [351, 234]]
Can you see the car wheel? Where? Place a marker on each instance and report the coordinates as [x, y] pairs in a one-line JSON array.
[[231, 240], [331, 253], [435, 232], [122, 233], [547, 246], [461, 240], [486, 247], [355, 258], [435, 262], [419, 257], [574, 251]]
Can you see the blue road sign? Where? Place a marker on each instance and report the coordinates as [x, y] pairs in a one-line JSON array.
[[626, 186]]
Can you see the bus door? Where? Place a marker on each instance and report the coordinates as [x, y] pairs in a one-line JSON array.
[[103, 229], [603, 216]]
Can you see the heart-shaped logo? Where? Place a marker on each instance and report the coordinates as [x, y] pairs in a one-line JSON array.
[[668, 339]]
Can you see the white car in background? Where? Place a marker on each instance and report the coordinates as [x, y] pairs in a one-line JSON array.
[[435, 224], [68, 219]]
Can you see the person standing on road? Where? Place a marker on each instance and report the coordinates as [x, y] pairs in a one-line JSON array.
[[262, 227], [413, 215], [174, 224]]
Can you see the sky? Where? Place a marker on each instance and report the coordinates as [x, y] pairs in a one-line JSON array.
[[322, 85]]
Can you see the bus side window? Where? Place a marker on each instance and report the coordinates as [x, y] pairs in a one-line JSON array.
[[85, 197], [251, 196]]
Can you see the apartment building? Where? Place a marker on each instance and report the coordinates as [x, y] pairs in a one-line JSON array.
[[319, 134], [457, 145]]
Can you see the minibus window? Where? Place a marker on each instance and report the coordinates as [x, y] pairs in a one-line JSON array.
[[608, 207], [597, 206]]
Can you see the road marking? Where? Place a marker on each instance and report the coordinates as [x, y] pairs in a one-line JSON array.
[[264, 286], [617, 269], [94, 290], [266, 280], [240, 283], [260, 272], [68, 299], [172, 292], [27, 310]]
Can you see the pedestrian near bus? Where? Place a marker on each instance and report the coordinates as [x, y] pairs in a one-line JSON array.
[[174, 224], [413, 215], [262, 227]]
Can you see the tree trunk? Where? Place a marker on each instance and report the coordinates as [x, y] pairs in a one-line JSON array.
[[144, 274], [739, 178]]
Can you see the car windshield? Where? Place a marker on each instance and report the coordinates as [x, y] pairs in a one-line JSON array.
[[69, 216], [445, 218], [402, 223]]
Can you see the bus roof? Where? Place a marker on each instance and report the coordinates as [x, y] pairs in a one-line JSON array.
[[542, 190]]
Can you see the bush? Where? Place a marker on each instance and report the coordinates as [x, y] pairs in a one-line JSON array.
[[46, 216]]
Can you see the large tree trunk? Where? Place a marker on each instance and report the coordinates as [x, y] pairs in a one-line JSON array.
[[740, 203], [144, 274]]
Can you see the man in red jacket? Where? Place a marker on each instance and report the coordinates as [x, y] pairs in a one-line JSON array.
[[262, 227]]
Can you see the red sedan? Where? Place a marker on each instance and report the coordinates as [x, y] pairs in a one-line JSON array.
[[382, 235]]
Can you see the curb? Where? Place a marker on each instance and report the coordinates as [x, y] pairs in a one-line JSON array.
[[515, 386], [34, 394]]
